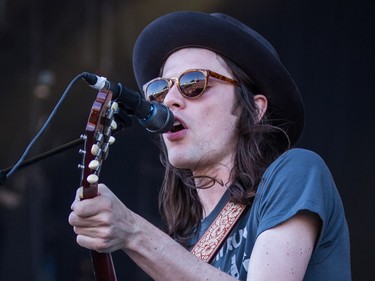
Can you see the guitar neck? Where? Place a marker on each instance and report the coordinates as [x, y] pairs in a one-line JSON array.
[[103, 266], [97, 140]]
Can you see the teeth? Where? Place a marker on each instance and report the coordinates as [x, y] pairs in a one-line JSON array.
[[176, 123]]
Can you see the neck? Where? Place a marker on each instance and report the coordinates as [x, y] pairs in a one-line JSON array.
[[210, 196], [218, 169]]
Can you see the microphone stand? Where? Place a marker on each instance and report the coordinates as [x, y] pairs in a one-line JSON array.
[[39, 157], [64, 147]]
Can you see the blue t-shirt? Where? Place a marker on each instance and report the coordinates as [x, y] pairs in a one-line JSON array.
[[297, 180]]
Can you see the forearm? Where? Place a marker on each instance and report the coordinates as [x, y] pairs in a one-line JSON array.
[[164, 259]]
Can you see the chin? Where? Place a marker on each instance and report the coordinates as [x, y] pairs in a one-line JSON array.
[[180, 162]]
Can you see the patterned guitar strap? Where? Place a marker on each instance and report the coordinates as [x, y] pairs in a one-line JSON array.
[[210, 242]]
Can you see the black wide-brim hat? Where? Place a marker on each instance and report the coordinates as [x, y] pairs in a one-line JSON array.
[[232, 39]]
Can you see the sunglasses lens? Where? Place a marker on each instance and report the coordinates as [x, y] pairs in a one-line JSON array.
[[192, 84], [157, 90]]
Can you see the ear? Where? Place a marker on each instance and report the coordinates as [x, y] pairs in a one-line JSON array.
[[261, 103]]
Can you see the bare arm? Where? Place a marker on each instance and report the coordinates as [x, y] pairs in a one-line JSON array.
[[105, 224], [283, 252]]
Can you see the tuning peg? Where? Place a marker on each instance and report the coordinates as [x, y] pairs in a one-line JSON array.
[[94, 164], [113, 125], [92, 178], [114, 106], [105, 150], [95, 150], [111, 140], [81, 151], [99, 137], [80, 166]]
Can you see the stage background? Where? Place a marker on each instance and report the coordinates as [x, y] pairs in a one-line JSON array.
[[328, 47]]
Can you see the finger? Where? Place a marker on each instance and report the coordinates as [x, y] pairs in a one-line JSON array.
[[103, 189], [87, 242], [100, 220], [93, 232], [77, 221], [91, 207], [97, 244], [76, 198]]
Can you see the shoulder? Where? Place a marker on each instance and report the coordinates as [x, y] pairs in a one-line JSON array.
[[299, 162], [299, 179], [300, 155], [299, 172]]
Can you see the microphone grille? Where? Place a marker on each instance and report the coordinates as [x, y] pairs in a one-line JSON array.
[[160, 121]]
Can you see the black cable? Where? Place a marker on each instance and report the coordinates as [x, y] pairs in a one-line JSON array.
[[4, 176]]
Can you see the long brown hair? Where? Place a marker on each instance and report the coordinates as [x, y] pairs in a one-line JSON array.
[[259, 143]]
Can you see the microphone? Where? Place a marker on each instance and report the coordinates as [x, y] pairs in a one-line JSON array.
[[155, 117]]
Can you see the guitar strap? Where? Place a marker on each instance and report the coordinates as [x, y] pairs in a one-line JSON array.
[[215, 235]]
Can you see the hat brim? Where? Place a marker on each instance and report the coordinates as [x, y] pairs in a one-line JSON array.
[[246, 48]]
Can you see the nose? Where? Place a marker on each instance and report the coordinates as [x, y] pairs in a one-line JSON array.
[[174, 99]]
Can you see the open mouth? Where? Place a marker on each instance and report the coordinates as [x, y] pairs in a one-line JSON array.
[[177, 126]]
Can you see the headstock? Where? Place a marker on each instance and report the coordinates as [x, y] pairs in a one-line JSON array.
[[97, 139]]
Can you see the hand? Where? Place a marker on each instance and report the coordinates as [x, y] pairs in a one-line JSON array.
[[101, 223], [105, 224]]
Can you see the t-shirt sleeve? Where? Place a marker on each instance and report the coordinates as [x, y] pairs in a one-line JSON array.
[[298, 180]]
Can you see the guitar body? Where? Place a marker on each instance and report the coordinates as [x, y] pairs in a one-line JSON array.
[[97, 139]]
